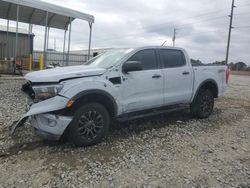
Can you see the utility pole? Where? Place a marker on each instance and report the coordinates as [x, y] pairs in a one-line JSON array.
[[174, 37], [230, 30]]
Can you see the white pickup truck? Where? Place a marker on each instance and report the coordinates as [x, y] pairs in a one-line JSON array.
[[123, 84]]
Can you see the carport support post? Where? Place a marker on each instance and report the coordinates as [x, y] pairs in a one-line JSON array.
[[29, 41], [29, 36], [45, 40], [47, 44], [67, 63], [16, 44], [64, 38], [90, 34], [7, 38]]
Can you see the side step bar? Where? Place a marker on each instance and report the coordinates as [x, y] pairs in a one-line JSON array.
[[151, 112]]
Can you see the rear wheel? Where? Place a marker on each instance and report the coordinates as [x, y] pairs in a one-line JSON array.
[[90, 124], [203, 104]]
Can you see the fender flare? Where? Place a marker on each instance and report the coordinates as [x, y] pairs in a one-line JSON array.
[[203, 83], [100, 92]]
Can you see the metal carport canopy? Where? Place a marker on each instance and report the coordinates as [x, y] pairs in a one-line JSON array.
[[34, 12], [44, 14]]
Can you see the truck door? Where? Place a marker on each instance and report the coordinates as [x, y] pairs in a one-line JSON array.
[[143, 89], [178, 77]]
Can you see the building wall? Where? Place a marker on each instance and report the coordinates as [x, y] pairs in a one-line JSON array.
[[7, 47]]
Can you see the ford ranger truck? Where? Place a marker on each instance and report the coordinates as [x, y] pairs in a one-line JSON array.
[[123, 84]]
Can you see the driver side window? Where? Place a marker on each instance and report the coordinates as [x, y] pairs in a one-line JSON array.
[[147, 58]]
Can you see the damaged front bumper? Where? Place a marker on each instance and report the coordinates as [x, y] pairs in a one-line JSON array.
[[47, 125], [50, 126]]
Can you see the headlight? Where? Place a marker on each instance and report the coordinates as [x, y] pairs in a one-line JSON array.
[[47, 91]]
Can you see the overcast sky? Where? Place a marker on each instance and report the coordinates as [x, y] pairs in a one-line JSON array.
[[202, 26]]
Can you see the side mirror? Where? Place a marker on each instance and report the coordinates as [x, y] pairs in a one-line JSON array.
[[130, 66]]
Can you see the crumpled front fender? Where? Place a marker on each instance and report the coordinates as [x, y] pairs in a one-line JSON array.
[[49, 105]]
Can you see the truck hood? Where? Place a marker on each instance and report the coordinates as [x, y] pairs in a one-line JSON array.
[[61, 73]]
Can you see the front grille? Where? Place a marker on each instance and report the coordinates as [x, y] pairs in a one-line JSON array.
[[27, 88]]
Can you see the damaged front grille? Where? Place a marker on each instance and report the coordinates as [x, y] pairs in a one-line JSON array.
[[27, 88]]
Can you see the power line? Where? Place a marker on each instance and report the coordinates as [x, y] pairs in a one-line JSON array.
[[244, 5], [198, 22], [244, 13], [214, 18], [242, 27], [163, 24], [179, 27], [199, 15], [198, 32], [168, 27]]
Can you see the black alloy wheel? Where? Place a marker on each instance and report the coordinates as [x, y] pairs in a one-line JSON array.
[[89, 125], [203, 104]]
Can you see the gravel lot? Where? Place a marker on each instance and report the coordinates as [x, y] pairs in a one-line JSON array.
[[170, 150]]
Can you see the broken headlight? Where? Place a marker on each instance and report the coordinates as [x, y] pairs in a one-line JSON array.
[[46, 91]]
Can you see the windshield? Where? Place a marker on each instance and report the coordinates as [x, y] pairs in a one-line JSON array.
[[108, 59]]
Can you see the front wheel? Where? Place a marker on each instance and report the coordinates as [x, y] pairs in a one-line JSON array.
[[203, 104], [89, 125]]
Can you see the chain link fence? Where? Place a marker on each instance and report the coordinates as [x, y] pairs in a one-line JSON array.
[[60, 58]]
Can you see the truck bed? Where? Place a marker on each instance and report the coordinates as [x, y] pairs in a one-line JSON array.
[[213, 72]]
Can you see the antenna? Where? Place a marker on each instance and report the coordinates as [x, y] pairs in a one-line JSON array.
[[174, 37], [163, 43]]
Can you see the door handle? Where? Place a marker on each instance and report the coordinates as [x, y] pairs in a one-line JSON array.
[[156, 76], [185, 73]]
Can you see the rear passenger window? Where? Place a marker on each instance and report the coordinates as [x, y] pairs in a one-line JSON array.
[[172, 58], [147, 58]]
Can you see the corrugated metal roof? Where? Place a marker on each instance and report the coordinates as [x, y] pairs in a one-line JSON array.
[[34, 12]]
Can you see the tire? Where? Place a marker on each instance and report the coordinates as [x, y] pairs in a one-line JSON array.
[[203, 104], [89, 125]]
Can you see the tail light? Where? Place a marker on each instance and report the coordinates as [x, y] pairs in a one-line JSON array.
[[227, 74]]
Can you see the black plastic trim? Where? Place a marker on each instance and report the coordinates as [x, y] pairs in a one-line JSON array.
[[97, 91], [203, 83], [72, 78], [151, 112], [116, 80]]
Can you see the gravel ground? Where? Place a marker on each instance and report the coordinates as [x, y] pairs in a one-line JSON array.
[[170, 150]]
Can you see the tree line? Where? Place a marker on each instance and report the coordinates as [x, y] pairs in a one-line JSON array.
[[238, 66]]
